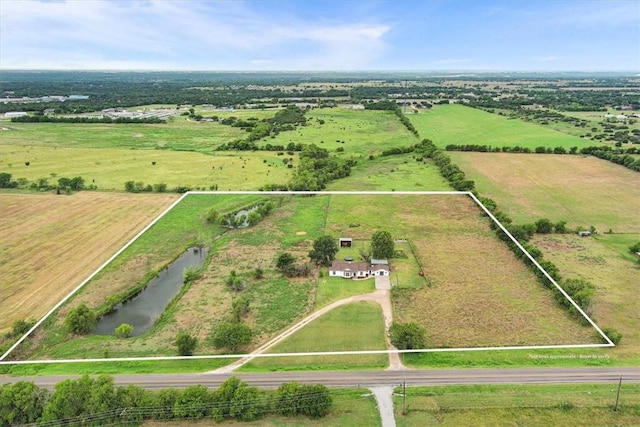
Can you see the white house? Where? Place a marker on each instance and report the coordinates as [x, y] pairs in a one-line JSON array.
[[357, 270]]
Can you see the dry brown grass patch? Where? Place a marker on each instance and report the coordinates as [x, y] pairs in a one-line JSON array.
[[51, 243]]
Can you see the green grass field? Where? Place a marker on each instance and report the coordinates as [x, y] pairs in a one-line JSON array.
[[457, 124], [110, 168], [364, 132], [332, 289], [179, 134], [353, 327], [391, 173], [578, 405]]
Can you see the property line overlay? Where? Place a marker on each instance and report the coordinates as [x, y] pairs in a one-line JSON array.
[[327, 353]]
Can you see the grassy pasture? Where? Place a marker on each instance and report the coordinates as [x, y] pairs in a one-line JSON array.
[[110, 168], [583, 405], [581, 190], [179, 134], [390, 173], [51, 243], [479, 293], [457, 124], [605, 261], [364, 132], [357, 326]]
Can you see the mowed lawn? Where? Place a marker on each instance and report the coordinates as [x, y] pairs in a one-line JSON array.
[[580, 190], [353, 327], [359, 133], [458, 124], [51, 243], [480, 294], [110, 168]]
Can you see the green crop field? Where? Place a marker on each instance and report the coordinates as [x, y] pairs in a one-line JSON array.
[[457, 124], [583, 191]]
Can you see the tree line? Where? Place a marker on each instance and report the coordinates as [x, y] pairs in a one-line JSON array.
[[97, 401]]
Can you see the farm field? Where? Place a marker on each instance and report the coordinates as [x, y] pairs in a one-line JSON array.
[[51, 243], [467, 270], [109, 169], [583, 191], [178, 134], [401, 172], [605, 261], [457, 124], [359, 132], [576, 404]]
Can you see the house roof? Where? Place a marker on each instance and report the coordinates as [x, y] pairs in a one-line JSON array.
[[349, 266], [380, 261], [379, 267]]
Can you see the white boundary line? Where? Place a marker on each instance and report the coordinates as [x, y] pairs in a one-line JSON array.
[[288, 193]]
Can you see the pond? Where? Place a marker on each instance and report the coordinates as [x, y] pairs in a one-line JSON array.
[[141, 311]]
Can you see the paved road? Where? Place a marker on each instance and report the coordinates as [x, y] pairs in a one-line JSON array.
[[374, 378]]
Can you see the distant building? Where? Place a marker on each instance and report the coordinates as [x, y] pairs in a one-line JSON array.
[[11, 114]]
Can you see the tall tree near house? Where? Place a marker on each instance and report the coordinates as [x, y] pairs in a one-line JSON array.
[[324, 250], [382, 245]]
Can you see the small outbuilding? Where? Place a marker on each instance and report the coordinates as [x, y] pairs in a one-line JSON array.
[[584, 233], [345, 242]]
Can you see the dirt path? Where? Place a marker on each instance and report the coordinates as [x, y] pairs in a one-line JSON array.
[[380, 296]]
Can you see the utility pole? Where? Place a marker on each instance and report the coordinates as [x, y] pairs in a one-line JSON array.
[[618, 395], [404, 397]]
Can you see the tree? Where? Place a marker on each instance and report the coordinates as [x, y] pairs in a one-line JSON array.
[[293, 399], [236, 399], [212, 216], [81, 320], [194, 402], [21, 403], [544, 226], [20, 327], [324, 250], [5, 180], [635, 248], [186, 343], [382, 245], [560, 227], [284, 260], [124, 330], [580, 290], [316, 400], [407, 336], [232, 336]]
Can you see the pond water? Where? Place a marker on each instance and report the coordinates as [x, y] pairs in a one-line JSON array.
[[141, 311]]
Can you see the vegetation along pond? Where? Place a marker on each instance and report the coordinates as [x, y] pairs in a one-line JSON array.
[[148, 305]]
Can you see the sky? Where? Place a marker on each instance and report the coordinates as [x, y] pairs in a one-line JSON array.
[[320, 35]]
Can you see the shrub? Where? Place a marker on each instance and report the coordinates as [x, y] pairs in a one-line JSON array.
[[186, 344], [407, 336], [614, 335], [80, 320], [125, 330]]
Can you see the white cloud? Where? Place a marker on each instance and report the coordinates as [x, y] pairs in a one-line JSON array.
[[178, 35]]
